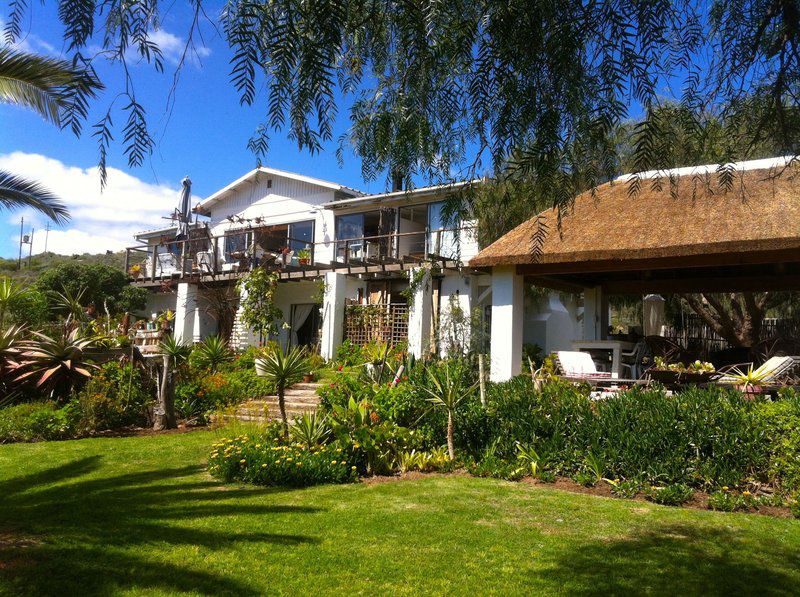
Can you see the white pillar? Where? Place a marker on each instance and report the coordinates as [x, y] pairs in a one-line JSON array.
[[419, 312], [333, 314], [507, 310], [185, 310], [595, 314]]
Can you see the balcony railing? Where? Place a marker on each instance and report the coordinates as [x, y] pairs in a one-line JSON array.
[[207, 255]]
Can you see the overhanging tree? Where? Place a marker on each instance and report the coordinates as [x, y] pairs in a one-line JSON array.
[[433, 87]]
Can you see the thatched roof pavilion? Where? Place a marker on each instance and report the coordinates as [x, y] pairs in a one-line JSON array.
[[681, 231], [686, 230]]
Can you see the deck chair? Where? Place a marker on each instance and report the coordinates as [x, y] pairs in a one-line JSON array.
[[574, 363], [773, 370]]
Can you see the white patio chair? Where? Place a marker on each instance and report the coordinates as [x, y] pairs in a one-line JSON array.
[[166, 264], [574, 363], [205, 262]]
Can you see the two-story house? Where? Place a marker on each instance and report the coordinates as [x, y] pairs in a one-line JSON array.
[[388, 266]]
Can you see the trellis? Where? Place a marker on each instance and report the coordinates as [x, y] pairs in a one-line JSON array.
[[385, 322]]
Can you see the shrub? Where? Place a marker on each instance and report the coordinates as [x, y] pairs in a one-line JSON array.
[[211, 354], [628, 489], [349, 354], [264, 460], [35, 421], [116, 396], [670, 495], [780, 422], [198, 395]]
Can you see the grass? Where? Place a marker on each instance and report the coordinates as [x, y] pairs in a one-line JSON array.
[[141, 515]]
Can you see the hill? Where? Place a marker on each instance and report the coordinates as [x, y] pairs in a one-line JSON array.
[[44, 261]]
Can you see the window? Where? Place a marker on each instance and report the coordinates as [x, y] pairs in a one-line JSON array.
[[269, 183], [237, 243], [301, 235]]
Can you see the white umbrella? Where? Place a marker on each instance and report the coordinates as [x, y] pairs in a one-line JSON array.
[[184, 210]]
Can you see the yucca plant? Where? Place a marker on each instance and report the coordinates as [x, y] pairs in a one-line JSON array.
[[175, 350], [446, 387], [9, 292], [57, 365], [310, 429], [283, 369], [211, 353]]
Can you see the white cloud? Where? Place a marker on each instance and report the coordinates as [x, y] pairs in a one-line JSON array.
[[29, 42], [173, 47], [100, 221]]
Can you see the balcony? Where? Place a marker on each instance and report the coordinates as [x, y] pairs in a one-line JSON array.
[[228, 257]]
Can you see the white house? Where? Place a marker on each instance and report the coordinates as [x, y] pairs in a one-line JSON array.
[[385, 266]]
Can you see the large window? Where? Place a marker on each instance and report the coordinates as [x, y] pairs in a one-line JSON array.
[[368, 234], [301, 235], [237, 244]]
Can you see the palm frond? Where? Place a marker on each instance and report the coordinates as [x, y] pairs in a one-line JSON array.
[[45, 85], [17, 192]]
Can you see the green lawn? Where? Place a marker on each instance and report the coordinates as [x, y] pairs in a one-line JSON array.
[[141, 515]]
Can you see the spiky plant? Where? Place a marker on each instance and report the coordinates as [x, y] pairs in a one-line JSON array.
[[310, 429], [177, 351], [9, 292], [283, 369], [57, 365], [211, 353], [446, 387], [12, 344]]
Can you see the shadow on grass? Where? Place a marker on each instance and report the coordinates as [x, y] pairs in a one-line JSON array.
[[65, 532], [677, 559]]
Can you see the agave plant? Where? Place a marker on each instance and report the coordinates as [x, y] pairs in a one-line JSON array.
[[57, 365], [211, 353], [9, 292], [283, 369], [70, 304]]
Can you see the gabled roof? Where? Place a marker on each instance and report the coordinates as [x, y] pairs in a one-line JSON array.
[[685, 216], [209, 201], [401, 196]]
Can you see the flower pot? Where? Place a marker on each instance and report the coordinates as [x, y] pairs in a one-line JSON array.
[[308, 378], [750, 391], [304, 261]]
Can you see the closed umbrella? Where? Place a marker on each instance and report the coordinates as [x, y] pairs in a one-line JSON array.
[[184, 210]]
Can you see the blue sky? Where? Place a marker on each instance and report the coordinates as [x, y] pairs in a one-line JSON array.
[[205, 138]]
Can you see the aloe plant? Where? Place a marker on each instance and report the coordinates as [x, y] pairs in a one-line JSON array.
[[57, 365]]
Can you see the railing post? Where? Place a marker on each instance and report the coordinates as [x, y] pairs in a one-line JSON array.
[[427, 234], [183, 257], [215, 261], [347, 251], [153, 261]]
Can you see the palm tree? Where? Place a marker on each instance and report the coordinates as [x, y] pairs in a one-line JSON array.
[[57, 91], [283, 370], [446, 388]]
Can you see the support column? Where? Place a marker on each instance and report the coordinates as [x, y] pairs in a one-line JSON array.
[[333, 314], [595, 314], [507, 310], [185, 310], [420, 312]]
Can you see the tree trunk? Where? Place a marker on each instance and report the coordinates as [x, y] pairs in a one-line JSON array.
[[282, 407], [165, 410], [451, 450]]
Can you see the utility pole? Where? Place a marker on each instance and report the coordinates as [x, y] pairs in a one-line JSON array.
[[47, 235], [30, 250], [19, 259]]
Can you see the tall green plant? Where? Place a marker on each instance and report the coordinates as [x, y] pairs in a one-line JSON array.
[[9, 293], [258, 311], [446, 387], [283, 369]]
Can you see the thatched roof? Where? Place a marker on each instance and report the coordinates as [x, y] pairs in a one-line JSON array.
[[671, 217]]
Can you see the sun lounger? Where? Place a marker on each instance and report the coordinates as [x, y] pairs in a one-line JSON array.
[[772, 371]]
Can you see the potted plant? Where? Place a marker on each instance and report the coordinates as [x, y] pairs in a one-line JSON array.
[[304, 256], [748, 381], [135, 271], [308, 377]]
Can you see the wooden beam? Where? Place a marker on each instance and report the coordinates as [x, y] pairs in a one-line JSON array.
[[686, 262], [705, 284], [556, 284]]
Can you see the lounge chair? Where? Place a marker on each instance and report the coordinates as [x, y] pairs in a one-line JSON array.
[[578, 366], [772, 371]]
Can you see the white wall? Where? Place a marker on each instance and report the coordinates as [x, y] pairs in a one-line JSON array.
[[456, 292]]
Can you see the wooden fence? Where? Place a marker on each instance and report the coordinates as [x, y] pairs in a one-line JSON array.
[[386, 322]]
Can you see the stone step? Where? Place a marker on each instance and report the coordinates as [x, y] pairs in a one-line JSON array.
[[300, 398]]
